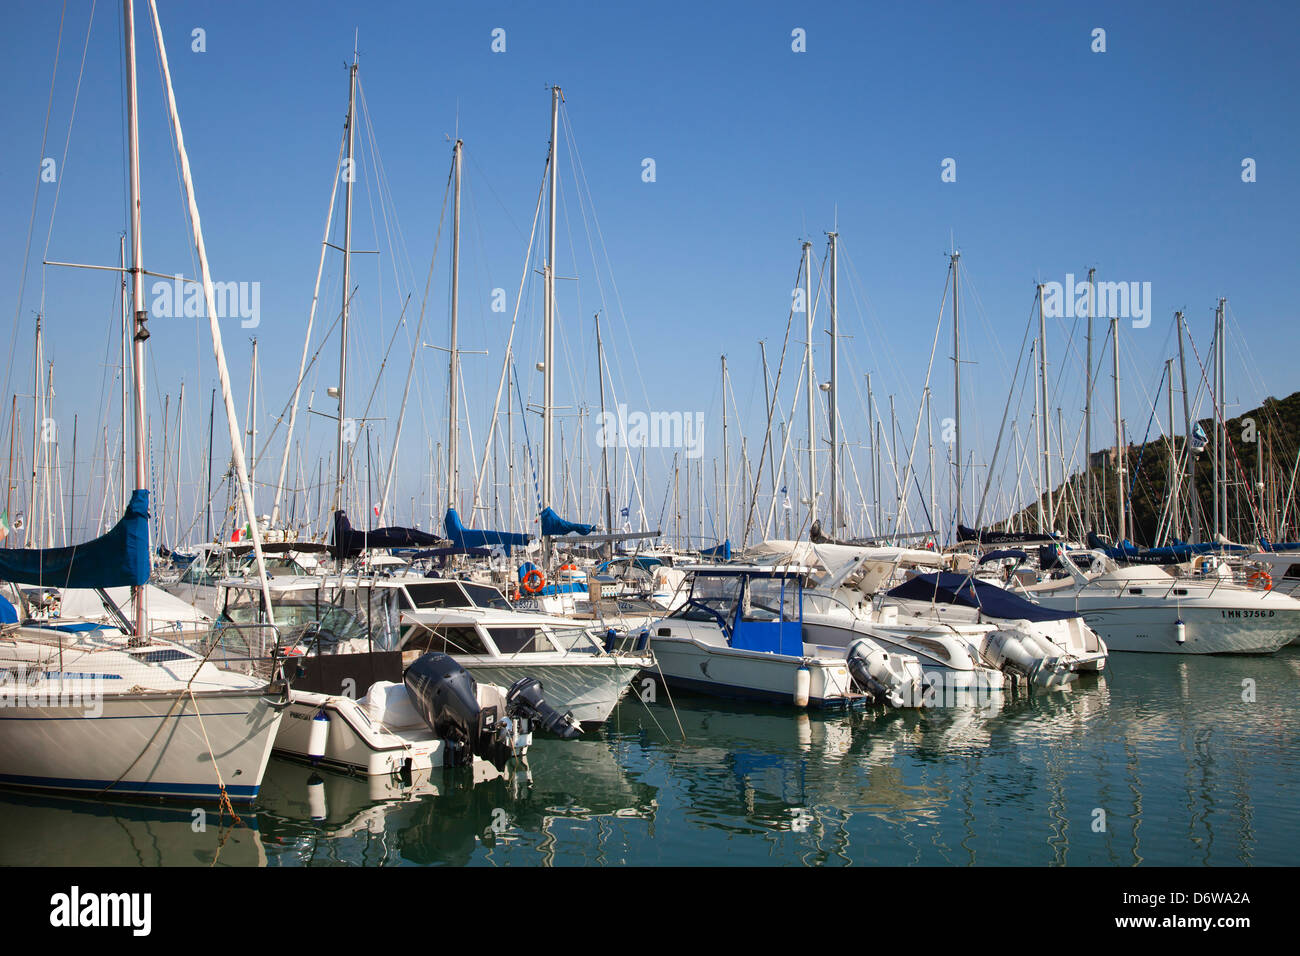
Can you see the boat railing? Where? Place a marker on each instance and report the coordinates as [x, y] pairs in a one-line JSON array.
[[251, 649]]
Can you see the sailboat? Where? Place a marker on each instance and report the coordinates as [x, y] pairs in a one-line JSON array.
[[117, 710]]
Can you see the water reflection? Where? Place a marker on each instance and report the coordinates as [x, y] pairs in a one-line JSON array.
[[38, 830], [1164, 760]]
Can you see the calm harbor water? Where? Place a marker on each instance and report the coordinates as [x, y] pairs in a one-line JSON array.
[[1165, 760]]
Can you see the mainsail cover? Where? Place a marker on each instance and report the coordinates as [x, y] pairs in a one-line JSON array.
[[1000, 537], [463, 537], [348, 541], [119, 558], [553, 526]]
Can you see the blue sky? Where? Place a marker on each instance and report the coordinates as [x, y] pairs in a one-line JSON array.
[[1128, 161]]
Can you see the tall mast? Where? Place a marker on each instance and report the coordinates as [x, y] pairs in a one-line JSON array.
[[1221, 338], [812, 388], [306, 344], [1173, 458], [212, 418], [1217, 407], [726, 460], [548, 371], [1047, 415], [604, 445], [1119, 438], [1192, 499], [350, 175], [834, 395], [34, 526], [956, 374], [453, 368], [141, 315], [1087, 405], [126, 377], [252, 432], [875, 450]]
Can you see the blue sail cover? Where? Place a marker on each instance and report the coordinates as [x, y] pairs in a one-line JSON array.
[[117, 559], [722, 551], [553, 526], [1267, 545], [349, 542], [993, 601], [463, 537]]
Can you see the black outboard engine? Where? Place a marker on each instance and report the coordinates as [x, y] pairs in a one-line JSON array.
[[446, 696], [524, 699]]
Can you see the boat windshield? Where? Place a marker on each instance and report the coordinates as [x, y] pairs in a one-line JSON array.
[[575, 639], [431, 595], [712, 594]]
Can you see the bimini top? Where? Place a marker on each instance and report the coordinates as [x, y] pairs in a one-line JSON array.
[[992, 601]]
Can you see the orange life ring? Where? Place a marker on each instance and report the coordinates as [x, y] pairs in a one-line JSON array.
[[568, 567], [534, 581], [1259, 577]]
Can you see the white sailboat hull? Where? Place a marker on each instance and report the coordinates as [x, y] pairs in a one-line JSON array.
[[145, 745]]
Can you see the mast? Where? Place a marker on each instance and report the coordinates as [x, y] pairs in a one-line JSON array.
[[453, 368], [811, 386], [1173, 458], [604, 445], [306, 344], [1192, 498], [126, 376], [252, 430], [1218, 417], [726, 460], [956, 373], [1119, 438], [834, 395], [34, 525], [548, 371], [140, 314], [1221, 448], [209, 299], [350, 175], [1046, 417], [212, 419], [1087, 404]]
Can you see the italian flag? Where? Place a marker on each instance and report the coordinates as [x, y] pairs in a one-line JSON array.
[[4, 525], [240, 534]]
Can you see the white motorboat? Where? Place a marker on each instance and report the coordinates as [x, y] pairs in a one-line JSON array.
[[1145, 608], [740, 634]]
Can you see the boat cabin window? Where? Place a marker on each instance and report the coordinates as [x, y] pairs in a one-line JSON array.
[[519, 640], [1293, 571], [771, 599], [1180, 591], [486, 596], [1134, 590], [445, 640], [437, 594]]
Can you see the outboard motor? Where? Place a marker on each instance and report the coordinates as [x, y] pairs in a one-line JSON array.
[[446, 696], [524, 699], [870, 668]]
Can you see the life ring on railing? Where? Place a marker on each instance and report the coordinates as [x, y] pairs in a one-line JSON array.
[[534, 581], [1259, 578]]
